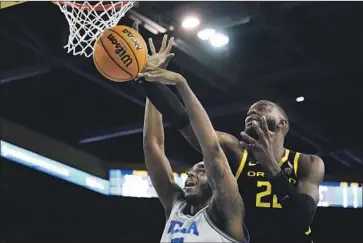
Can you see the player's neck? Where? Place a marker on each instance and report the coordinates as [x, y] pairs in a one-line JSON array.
[[279, 149], [196, 207]]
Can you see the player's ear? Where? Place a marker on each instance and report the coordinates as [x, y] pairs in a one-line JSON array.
[[282, 123]]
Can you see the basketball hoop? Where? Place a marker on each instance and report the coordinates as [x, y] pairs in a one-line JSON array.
[[88, 19]]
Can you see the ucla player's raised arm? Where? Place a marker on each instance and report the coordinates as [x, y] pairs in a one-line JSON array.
[[226, 198], [157, 164], [219, 173], [169, 105], [173, 110]]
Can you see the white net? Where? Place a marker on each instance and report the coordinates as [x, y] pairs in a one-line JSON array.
[[87, 20]]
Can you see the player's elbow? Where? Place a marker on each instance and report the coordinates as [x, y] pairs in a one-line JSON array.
[[212, 150], [151, 145]]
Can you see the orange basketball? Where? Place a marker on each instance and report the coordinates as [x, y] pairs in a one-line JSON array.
[[120, 53]]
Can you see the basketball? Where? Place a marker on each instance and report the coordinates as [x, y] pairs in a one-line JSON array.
[[120, 53]]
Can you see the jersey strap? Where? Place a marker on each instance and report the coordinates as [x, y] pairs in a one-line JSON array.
[[242, 164], [284, 158], [296, 162]]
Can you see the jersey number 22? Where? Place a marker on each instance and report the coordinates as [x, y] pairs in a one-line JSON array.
[[267, 191]]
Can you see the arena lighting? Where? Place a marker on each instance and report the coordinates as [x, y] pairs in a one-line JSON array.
[[219, 40], [53, 168], [190, 22], [300, 99], [205, 34]]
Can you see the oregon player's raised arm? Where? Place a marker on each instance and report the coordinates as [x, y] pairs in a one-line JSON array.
[[157, 164], [226, 197], [229, 143]]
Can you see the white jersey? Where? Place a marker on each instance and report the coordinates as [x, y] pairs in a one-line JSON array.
[[182, 228]]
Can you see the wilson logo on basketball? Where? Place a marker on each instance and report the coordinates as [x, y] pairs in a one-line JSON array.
[[133, 39], [120, 51]]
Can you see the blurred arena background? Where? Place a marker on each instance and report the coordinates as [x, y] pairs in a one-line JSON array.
[[71, 141]]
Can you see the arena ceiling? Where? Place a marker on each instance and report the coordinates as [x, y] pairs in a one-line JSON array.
[[277, 51]]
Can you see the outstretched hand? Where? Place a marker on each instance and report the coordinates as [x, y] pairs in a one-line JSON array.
[[157, 62], [163, 56], [262, 148]]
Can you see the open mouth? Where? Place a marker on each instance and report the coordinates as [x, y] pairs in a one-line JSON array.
[[250, 120], [190, 183]]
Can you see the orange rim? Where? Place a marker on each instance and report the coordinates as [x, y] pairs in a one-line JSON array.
[[97, 8]]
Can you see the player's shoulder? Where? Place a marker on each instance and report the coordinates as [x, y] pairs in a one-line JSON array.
[[177, 203], [311, 164], [230, 144], [232, 149], [227, 138], [311, 160]]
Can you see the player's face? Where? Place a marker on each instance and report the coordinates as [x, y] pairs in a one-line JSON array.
[[196, 185], [257, 111]]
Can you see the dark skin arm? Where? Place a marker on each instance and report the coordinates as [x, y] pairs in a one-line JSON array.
[[310, 174], [157, 164], [229, 144], [226, 199], [227, 206]]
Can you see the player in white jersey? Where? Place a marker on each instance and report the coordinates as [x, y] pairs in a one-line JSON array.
[[210, 208]]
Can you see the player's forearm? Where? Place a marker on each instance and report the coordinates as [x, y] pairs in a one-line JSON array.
[[156, 162], [172, 109], [161, 175], [289, 197], [299, 208], [199, 119], [299, 213], [167, 103], [216, 164], [153, 127]]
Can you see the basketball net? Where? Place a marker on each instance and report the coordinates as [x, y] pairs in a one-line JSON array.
[[88, 19]]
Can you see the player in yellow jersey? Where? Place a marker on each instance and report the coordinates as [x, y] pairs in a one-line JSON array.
[[280, 187]]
